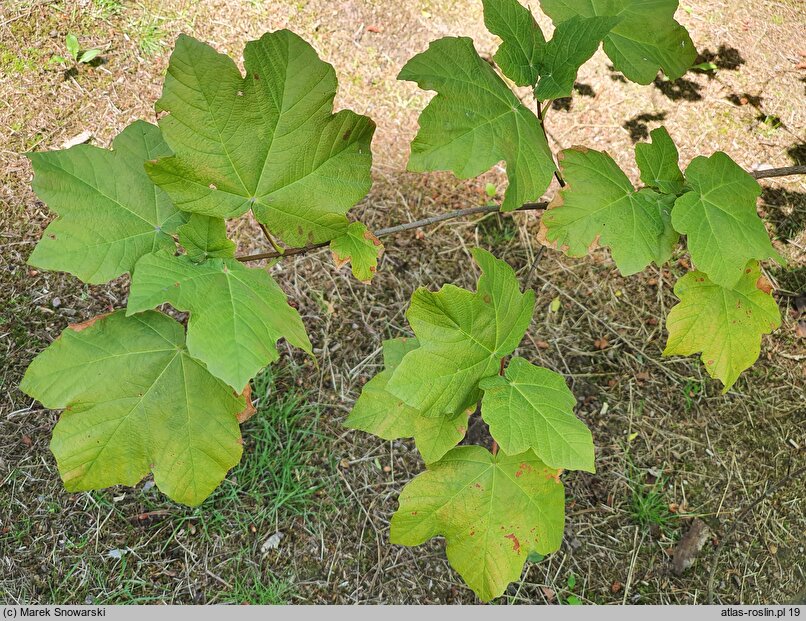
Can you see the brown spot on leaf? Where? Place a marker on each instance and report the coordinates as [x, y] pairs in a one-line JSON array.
[[78, 327], [256, 76], [516, 545], [764, 285], [347, 134], [487, 299], [248, 411]]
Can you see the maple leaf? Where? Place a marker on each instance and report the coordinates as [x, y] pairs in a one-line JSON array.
[[360, 248], [475, 121], [600, 202], [110, 213], [720, 220], [237, 314], [173, 418], [726, 325], [646, 39], [493, 510], [530, 407], [462, 336], [267, 141], [379, 412]]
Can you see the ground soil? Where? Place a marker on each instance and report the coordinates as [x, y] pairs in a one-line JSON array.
[[661, 426]]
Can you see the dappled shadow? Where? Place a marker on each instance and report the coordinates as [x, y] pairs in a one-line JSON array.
[[724, 58], [745, 99], [798, 153], [638, 125], [615, 75], [564, 103], [773, 121], [678, 89], [785, 210]]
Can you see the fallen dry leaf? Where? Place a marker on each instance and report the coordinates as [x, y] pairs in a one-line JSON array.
[[690, 545]]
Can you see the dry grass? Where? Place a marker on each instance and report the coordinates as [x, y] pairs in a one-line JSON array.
[[653, 419]]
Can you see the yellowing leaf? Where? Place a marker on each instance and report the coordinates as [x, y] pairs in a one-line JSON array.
[[492, 510], [135, 402], [359, 247], [726, 325]]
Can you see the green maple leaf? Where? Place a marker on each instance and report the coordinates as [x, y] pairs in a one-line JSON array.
[[205, 238], [658, 163], [237, 314], [380, 413], [110, 213], [173, 419], [492, 510], [572, 45], [647, 38], [600, 201], [720, 220], [358, 247], [531, 408], [526, 58], [475, 121], [462, 336], [726, 325], [522, 40], [267, 142]]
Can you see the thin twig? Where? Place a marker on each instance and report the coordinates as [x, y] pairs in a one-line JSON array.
[[789, 477], [461, 213], [392, 230], [779, 172]]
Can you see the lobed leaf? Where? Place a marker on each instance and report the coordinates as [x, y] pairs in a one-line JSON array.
[[110, 213], [646, 39], [531, 408], [379, 412], [724, 324], [205, 238], [493, 510], [522, 40], [267, 141], [658, 162], [719, 218], [171, 417], [572, 45], [358, 247], [462, 337], [600, 202], [475, 121], [237, 314]]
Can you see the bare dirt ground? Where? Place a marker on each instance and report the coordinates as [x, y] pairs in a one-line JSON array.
[[670, 446]]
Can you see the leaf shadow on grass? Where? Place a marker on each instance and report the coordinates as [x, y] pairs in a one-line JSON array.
[[565, 103], [638, 126], [786, 210]]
